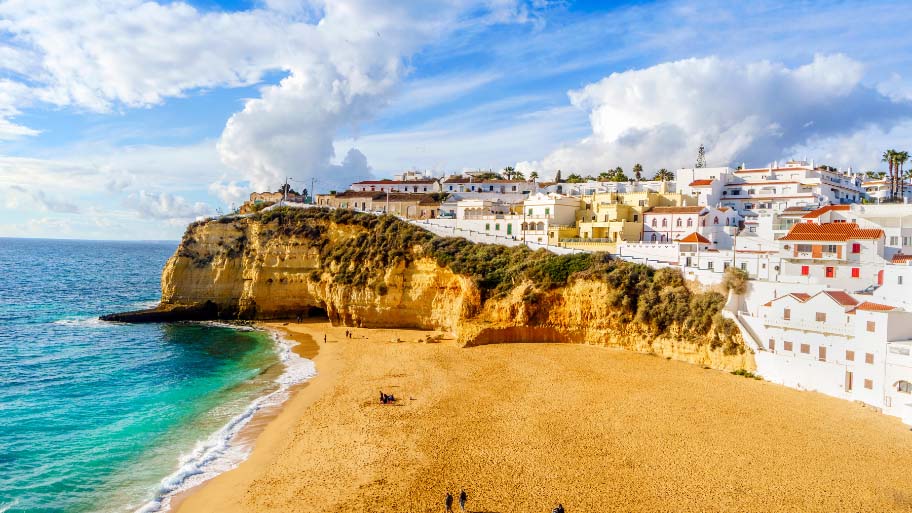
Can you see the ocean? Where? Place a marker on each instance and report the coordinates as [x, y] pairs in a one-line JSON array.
[[105, 417]]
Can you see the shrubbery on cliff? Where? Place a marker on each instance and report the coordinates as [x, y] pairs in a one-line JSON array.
[[658, 299]]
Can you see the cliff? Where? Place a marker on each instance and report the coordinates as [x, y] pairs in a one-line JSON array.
[[361, 270]]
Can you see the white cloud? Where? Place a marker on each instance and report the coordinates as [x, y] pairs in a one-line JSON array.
[[20, 197], [754, 112], [166, 206]]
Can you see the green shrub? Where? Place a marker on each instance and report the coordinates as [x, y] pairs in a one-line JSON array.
[[735, 280]]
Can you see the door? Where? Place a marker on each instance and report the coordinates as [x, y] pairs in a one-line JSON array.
[[848, 381], [880, 277], [509, 229]]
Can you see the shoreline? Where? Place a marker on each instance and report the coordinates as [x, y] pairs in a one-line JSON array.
[[261, 433], [260, 411]]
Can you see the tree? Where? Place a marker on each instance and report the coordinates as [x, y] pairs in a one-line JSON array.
[[605, 176], [533, 176], [509, 172], [888, 158], [575, 178], [489, 175], [557, 177], [900, 158], [618, 175], [637, 172], [701, 157], [664, 175]]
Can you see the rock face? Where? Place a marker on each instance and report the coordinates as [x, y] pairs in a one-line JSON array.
[[246, 269]]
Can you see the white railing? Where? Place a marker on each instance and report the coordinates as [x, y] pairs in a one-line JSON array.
[[820, 327]]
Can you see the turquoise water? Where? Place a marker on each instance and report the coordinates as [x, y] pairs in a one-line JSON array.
[[94, 416]]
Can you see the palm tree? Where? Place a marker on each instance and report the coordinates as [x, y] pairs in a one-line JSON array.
[[509, 172], [533, 176], [664, 175], [888, 158], [605, 176], [900, 158], [637, 172], [557, 177]]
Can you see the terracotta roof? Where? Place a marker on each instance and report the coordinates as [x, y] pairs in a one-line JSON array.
[[723, 209], [760, 183], [387, 181], [831, 232], [470, 180], [676, 210], [694, 237], [701, 183], [796, 209], [899, 258], [800, 296], [841, 297], [874, 307], [823, 210]]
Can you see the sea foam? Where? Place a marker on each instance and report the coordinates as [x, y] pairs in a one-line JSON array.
[[219, 452]]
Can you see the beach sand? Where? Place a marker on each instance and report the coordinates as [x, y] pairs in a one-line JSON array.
[[524, 426]]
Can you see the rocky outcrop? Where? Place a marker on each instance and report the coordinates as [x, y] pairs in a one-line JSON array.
[[249, 269]]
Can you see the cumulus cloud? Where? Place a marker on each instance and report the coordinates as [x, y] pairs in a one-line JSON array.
[[166, 206], [754, 112], [23, 198]]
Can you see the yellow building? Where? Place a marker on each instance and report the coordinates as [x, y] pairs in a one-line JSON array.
[[610, 217]]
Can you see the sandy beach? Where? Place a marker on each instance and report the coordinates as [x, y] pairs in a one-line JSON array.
[[524, 426]]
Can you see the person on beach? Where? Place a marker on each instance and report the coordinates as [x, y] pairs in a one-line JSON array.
[[558, 509], [463, 498], [448, 502], [324, 338]]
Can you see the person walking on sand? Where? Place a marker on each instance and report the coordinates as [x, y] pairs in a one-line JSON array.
[[324, 338], [448, 502], [558, 509], [463, 498]]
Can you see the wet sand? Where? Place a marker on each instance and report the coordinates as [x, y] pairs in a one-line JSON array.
[[524, 426]]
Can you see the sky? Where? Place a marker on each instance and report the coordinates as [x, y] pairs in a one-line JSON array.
[[127, 119]]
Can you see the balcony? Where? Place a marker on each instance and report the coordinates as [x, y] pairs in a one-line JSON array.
[[818, 327]]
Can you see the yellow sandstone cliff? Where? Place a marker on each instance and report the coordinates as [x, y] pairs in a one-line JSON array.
[[244, 268]]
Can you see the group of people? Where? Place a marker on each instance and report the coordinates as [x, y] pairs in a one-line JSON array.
[[463, 498], [387, 398], [348, 334], [448, 502]]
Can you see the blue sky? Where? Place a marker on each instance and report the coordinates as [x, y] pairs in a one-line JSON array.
[[126, 121]]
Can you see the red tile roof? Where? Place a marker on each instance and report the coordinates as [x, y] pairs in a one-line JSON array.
[[800, 296], [701, 183], [841, 297], [694, 237], [814, 214], [831, 232], [676, 210], [874, 307], [899, 258], [387, 181], [760, 183]]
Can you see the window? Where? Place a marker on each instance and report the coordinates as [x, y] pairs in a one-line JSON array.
[[904, 387], [788, 346], [690, 222], [830, 272], [772, 344], [547, 211], [743, 266], [869, 384], [850, 356], [716, 220], [664, 223], [787, 314], [653, 237], [636, 217], [487, 227], [856, 272], [803, 248], [821, 353], [805, 270], [869, 358], [872, 326], [679, 223], [894, 240], [820, 316], [829, 248], [906, 241], [654, 223], [856, 247], [709, 265], [805, 349], [899, 280], [530, 212], [497, 227]]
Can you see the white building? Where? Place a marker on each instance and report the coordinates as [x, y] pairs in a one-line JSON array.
[[486, 187], [840, 345], [425, 185], [666, 224]]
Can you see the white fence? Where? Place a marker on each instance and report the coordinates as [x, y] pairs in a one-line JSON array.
[[448, 228]]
